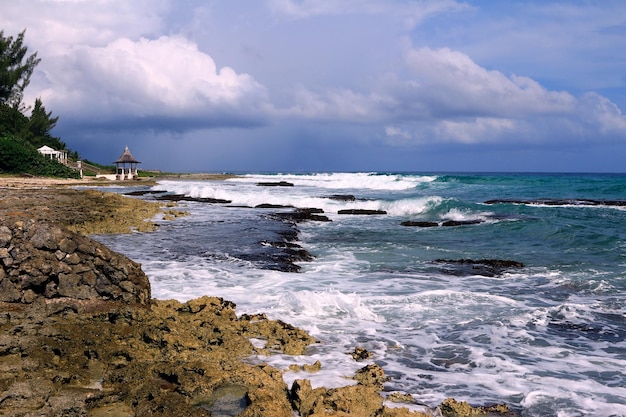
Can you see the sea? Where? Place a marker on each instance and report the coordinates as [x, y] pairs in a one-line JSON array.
[[485, 287]]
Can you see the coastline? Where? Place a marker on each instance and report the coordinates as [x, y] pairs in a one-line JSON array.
[[13, 181], [165, 339]]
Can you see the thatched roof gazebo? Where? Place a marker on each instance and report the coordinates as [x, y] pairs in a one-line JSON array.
[[126, 160]]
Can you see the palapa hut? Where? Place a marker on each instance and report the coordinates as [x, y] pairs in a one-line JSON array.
[[127, 160]]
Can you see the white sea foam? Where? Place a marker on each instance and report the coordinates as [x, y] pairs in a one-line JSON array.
[[344, 181], [329, 304], [466, 215], [247, 194]]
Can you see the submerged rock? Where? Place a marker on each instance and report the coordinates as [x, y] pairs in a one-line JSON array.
[[182, 197], [302, 214], [446, 223], [560, 202], [485, 267], [342, 197], [141, 193], [409, 223], [449, 223], [275, 184], [361, 212]]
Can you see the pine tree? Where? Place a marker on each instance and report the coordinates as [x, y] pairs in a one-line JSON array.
[[40, 124], [15, 68]]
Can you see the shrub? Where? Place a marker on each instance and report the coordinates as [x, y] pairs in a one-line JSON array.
[[19, 157]]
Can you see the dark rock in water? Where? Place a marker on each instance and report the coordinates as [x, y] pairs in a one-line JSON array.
[[294, 251], [419, 224], [484, 267], [342, 197], [272, 206], [448, 223], [361, 212], [277, 249], [39, 259], [290, 235], [145, 192], [302, 214], [609, 328], [275, 184], [312, 210], [182, 197], [560, 202]]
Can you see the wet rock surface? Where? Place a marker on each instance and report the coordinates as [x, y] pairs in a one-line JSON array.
[[80, 335], [275, 184], [560, 202], [82, 211], [182, 197], [364, 212], [301, 215], [77, 357], [446, 223], [41, 259], [484, 267]]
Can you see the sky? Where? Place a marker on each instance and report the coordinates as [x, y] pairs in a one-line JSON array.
[[333, 85]]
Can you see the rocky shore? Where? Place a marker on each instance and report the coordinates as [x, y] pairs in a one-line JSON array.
[[80, 334]]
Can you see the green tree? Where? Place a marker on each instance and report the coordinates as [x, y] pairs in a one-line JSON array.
[[39, 127], [15, 68], [12, 121], [19, 156], [21, 135]]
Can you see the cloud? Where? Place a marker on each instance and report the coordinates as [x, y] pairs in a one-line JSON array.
[[385, 75], [454, 85], [53, 24], [599, 113], [411, 13], [339, 105], [148, 79]]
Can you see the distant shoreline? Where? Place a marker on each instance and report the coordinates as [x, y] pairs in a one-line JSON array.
[[196, 176], [18, 181]]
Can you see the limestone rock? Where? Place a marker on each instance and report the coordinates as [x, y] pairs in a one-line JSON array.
[[45, 260]]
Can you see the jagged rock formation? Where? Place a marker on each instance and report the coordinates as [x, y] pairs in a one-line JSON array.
[[40, 259], [80, 335]]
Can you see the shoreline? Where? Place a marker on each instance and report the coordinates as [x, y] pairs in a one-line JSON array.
[[157, 326], [15, 181]]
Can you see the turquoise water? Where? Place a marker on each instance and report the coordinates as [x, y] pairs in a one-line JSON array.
[[547, 338]]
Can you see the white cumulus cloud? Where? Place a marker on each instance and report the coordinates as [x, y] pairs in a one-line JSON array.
[[166, 77], [453, 84]]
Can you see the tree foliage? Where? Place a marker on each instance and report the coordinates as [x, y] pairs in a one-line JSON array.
[[19, 156], [22, 134], [39, 126], [15, 68]]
